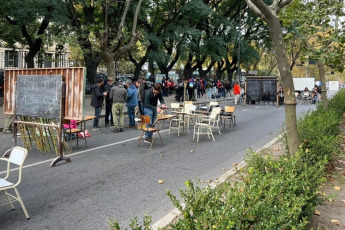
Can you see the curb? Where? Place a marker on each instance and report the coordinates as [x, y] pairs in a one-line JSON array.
[[175, 213]]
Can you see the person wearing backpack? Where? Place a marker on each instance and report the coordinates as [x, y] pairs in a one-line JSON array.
[[190, 87]]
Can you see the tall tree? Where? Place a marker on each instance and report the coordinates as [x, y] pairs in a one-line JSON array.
[[321, 39], [117, 39], [32, 19], [103, 30], [270, 15]]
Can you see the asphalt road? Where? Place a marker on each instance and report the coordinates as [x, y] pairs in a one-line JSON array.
[[115, 179]]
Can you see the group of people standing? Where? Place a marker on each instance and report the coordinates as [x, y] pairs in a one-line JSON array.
[[196, 88], [132, 94]]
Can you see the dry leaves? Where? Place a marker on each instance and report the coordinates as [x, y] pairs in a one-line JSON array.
[[336, 188], [335, 222], [317, 213], [235, 164], [276, 149], [160, 181]]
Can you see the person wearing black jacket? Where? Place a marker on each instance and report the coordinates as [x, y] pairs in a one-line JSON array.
[[108, 103], [97, 101], [150, 108], [142, 89]]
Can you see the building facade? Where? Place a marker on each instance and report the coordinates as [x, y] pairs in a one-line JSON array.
[[53, 57]]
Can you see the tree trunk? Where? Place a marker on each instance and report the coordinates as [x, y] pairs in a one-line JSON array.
[[91, 68], [219, 74], [188, 71], [230, 75], [29, 59], [33, 50], [110, 65], [321, 67], [137, 71], [152, 70], [289, 90]]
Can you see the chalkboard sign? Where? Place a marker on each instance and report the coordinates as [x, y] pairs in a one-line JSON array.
[[253, 90], [269, 90], [38, 95]]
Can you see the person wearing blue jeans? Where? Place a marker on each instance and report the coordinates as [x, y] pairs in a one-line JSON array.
[[150, 108], [132, 102]]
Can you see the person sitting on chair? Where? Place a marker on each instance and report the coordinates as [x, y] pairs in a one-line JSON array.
[[281, 95], [150, 107]]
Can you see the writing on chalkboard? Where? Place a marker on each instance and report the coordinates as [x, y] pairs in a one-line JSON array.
[[38, 95]]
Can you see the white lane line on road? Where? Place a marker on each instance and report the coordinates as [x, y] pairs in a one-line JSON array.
[[77, 153]]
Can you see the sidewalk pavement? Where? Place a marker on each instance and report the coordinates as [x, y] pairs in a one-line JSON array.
[[90, 110]]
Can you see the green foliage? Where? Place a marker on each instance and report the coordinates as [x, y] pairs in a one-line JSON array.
[[275, 194], [319, 131], [114, 225], [318, 134], [337, 103]]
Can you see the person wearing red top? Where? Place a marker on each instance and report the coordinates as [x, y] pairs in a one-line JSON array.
[[237, 91]]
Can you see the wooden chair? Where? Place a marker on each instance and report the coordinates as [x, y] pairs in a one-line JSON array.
[[16, 157], [229, 115], [69, 129], [144, 122]]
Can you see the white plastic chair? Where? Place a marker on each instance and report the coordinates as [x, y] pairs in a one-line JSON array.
[[208, 123], [181, 119], [17, 157], [174, 107]]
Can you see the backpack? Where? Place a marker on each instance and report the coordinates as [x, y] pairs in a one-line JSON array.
[[191, 85]]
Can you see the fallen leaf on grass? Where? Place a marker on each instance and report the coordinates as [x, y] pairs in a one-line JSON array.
[[335, 222], [336, 188], [317, 213], [191, 151], [160, 181]]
